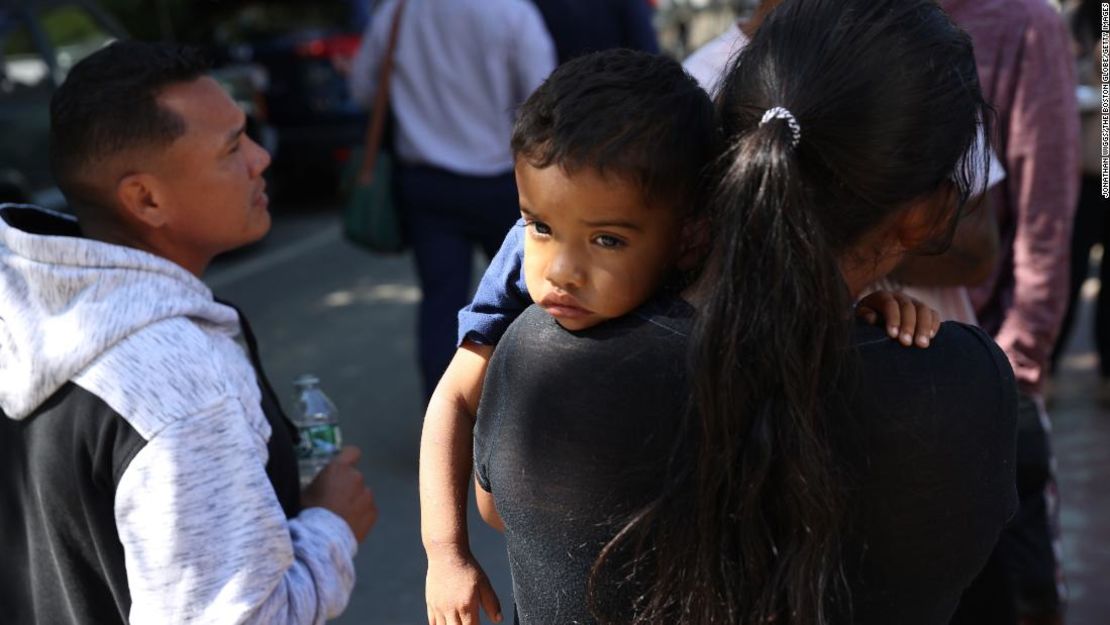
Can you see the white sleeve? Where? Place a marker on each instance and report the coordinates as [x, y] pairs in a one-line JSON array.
[[995, 172], [205, 539], [533, 51]]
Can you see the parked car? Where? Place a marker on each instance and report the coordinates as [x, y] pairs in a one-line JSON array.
[[40, 41]]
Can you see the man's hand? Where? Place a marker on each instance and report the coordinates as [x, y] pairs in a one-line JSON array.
[[908, 321], [456, 587], [340, 488]]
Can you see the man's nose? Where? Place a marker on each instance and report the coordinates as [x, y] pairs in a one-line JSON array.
[[261, 158]]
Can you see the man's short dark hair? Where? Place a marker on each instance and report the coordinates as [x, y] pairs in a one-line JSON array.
[[108, 104], [628, 113]]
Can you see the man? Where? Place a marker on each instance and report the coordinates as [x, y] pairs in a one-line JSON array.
[[148, 472], [1027, 74]]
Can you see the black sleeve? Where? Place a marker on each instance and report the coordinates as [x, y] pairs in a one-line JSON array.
[[936, 477]]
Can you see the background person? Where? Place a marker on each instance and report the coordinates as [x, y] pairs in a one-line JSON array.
[[148, 473], [462, 68], [1091, 225], [581, 26], [1027, 73]]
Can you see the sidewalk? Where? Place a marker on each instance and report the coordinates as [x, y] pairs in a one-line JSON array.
[[1081, 439]]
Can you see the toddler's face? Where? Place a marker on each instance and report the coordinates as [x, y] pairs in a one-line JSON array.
[[594, 249]]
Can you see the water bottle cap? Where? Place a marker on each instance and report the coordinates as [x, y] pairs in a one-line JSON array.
[[306, 380]]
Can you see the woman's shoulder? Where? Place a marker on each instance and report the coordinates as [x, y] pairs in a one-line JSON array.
[[957, 394], [959, 351], [930, 436]]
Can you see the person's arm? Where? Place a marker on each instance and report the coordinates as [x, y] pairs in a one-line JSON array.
[[362, 81], [456, 584], [205, 539], [971, 259], [501, 295], [1042, 163]]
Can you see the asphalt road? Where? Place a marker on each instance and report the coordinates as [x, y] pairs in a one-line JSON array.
[[322, 306]]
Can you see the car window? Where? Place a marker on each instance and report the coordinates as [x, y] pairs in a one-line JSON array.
[[73, 33]]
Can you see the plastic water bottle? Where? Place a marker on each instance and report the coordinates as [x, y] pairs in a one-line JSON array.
[[317, 422]]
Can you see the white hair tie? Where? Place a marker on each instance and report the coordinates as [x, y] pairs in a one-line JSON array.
[[779, 112]]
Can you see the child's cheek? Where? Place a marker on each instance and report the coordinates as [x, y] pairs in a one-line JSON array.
[[533, 270]]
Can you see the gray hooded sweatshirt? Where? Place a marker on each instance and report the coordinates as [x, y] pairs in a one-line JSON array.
[[134, 448]]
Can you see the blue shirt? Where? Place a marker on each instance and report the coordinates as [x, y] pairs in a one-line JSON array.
[[502, 294], [581, 26]]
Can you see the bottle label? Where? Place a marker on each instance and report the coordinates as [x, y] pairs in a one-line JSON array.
[[319, 441]]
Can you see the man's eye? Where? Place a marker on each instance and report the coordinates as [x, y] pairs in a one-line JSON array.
[[234, 148], [609, 241], [540, 227]]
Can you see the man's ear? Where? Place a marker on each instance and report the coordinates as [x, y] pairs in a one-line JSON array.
[[140, 198]]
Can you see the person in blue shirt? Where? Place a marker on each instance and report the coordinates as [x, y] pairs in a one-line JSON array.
[[582, 26]]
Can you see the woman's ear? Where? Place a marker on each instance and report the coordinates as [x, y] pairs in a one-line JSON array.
[[926, 218]]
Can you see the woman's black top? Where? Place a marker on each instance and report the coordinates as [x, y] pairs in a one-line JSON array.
[[575, 428]]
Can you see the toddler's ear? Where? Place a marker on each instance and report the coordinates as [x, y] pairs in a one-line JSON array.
[[693, 246]]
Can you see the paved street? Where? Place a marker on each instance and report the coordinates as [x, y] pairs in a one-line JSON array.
[[319, 305]]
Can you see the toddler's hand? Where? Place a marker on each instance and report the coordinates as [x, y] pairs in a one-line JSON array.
[[908, 321], [455, 589]]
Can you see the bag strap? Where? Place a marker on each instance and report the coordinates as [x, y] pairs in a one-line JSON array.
[[376, 129]]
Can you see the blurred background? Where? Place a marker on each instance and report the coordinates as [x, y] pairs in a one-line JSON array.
[[320, 305], [282, 61]]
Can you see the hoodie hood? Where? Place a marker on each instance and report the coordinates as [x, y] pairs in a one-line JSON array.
[[65, 301]]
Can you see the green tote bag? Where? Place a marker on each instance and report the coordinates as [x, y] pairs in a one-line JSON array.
[[370, 217]]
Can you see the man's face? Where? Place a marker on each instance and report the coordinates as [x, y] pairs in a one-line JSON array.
[[593, 250], [211, 177]]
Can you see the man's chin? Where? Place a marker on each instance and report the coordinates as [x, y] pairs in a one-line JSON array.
[[261, 226]]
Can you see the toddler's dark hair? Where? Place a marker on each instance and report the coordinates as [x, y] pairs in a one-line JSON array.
[[625, 113]]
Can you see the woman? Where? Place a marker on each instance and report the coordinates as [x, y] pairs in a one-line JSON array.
[[824, 474]]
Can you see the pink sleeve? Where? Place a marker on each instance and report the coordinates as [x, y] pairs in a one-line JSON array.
[[1043, 183]]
